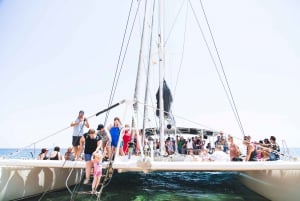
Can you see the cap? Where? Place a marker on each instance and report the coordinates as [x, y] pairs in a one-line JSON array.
[[100, 126]]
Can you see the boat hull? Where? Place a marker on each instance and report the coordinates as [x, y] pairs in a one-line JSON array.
[[26, 178], [275, 185]]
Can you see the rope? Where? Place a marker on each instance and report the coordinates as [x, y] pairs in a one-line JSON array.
[[61, 130], [120, 66], [225, 77], [226, 89], [182, 55]]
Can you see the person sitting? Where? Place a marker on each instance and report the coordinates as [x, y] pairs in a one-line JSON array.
[[43, 154], [251, 154], [55, 154], [234, 150], [274, 149], [69, 155], [219, 154], [264, 146]]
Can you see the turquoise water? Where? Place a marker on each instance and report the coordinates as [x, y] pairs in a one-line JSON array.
[[175, 186], [163, 186]]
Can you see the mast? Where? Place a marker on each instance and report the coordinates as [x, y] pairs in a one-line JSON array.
[[161, 76], [137, 82], [148, 74]]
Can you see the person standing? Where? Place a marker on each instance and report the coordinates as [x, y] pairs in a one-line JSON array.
[[114, 131], [126, 139], [97, 164], [78, 128], [106, 140], [92, 143]]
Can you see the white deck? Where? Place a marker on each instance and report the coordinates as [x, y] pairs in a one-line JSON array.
[[136, 164]]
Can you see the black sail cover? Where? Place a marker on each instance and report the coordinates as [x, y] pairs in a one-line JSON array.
[[167, 99]]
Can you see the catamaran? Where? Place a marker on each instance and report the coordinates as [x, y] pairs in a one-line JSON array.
[[275, 180]]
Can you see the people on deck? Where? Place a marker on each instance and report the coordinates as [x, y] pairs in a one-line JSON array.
[[126, 139], [106, 141], [204, 154], [219, 154], [234, 150], [69, 155], [189, 146], [251, 154], [274, 149], [43, 154], [180, 142], [192, 157], [210, 148], [114, 130], [169, 146], [265, 151], [55, 154], [97, 164], [91, 143], [78, 130]]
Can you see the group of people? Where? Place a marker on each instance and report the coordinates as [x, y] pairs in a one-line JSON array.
[[98, 145], [264, 150], [93, 146], [54, 155]]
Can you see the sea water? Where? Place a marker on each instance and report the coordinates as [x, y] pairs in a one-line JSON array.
[[162, 186]]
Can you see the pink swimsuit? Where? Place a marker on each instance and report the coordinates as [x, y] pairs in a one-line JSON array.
[[97, 168]]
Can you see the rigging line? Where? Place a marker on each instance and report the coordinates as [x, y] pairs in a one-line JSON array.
[[117, 74], [214, 62], [64, 129], [117, 68], [222, 67], [174, 22], [183, 48]]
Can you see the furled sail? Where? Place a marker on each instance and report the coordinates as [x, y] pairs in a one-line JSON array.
[[167, 100]]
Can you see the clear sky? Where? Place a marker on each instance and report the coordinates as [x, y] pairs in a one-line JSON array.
[[59, 57]]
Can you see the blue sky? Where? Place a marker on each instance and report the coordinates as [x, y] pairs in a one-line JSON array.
[[58, 57]]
